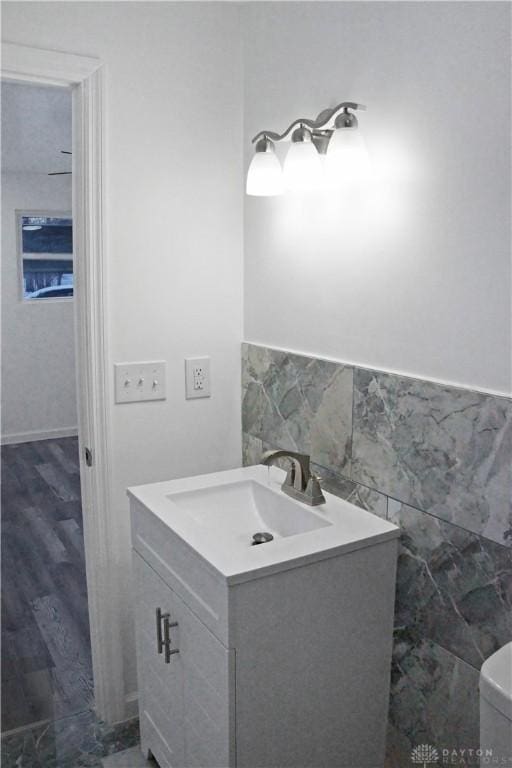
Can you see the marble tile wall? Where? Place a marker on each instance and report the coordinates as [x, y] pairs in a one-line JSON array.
[[444, 450], [437, 461]]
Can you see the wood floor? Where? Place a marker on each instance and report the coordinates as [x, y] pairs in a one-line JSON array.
[[46, 656]]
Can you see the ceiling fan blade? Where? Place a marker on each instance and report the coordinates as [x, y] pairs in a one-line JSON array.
[[61, 173]]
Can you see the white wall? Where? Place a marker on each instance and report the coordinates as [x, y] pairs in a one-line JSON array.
[[38, 345], [416, 277], [36, 128], [174, 215]]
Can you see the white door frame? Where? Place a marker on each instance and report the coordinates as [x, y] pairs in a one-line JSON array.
[[85, 76]]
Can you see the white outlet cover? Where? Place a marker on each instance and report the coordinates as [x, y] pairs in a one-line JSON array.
[[138, 382], [197, 377]]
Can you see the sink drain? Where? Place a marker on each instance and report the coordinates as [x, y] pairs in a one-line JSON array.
[[261, 538]]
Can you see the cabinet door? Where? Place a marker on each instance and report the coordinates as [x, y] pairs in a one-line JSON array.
[[187, 705], [208, 693], [160, 684]]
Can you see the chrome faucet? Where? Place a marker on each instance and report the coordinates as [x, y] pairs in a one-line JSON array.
[[300, 482]]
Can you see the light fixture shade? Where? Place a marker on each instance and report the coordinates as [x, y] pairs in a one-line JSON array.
[[265, 177], [302, 169], [347, 159]]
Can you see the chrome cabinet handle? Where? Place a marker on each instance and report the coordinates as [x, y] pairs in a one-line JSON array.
[[167, 638], [159, 639]]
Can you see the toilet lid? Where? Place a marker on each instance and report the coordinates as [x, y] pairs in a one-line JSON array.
[[496, 680]]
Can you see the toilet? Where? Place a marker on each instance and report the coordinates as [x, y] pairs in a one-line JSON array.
[[496, 708]]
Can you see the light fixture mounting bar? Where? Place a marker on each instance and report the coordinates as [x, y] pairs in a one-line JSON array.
[[324, 122]]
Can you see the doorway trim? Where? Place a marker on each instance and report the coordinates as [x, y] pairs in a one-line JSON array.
[[85, 77]]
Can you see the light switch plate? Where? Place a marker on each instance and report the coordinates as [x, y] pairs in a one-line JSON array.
[[197, 377], [137, 382]]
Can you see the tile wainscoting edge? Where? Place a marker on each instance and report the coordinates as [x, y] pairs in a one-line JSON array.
[[390, 371]]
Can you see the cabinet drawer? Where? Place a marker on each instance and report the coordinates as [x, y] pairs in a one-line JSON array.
[[188, 575], [189, 701]]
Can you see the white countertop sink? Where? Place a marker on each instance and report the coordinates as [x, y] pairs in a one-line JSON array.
[[236, 510], [218, 514]]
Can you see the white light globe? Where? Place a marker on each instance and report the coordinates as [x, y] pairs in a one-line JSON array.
[[347, 159], [302, 169], [264, 177]]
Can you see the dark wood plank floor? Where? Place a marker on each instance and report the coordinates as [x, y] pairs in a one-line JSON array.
[[46, 655]]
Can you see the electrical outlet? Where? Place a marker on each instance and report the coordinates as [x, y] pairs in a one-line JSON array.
[[197, 377], [136, 382]]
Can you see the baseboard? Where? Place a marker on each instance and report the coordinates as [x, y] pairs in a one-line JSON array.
[[131, 705], [45, 434], [24, 728]]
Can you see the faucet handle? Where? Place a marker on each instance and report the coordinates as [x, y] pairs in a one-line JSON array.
[[290, 475], [314, 491]]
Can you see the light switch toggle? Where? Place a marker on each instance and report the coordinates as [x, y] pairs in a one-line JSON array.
[[136, 382]]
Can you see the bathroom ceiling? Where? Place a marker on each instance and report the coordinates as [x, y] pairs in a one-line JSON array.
[[36, 126]]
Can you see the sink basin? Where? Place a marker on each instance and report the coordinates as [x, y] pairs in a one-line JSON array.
[[238, 510], [216, 515]]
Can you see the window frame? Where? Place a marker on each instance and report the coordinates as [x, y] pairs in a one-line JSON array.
[[20, 255]]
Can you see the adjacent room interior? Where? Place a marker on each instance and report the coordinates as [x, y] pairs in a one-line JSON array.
[[46, 654]]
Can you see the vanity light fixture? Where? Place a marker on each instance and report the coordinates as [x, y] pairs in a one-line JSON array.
[[334, 134], [264, 177], [347, 156], [302, 168]]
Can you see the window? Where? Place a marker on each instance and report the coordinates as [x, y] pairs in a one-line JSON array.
[[46, 255]]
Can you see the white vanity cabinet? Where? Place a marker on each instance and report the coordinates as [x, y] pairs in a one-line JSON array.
[[283, 665]]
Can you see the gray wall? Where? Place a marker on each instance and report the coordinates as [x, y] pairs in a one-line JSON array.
[[38, 344], [413, 276], [435, 460]]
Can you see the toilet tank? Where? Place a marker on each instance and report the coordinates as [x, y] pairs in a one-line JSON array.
[[496, 706]]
